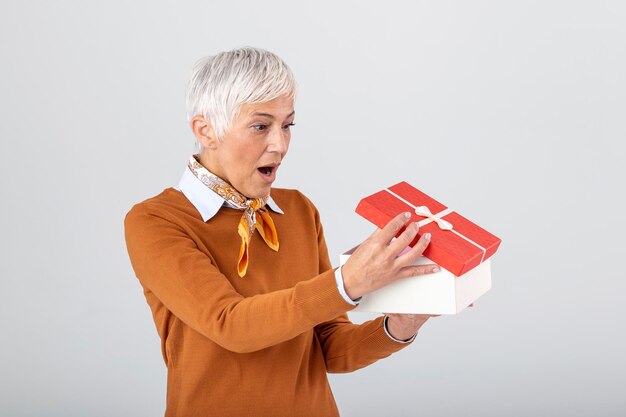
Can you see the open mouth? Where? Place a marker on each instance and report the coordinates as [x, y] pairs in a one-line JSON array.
[[266, 170], [269, 171]]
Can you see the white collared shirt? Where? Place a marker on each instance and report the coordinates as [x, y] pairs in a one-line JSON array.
[[208, 203], [205, 200]]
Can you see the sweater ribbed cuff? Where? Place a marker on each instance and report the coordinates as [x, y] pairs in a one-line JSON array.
[[319, 299], [384, 342], [386, 327]]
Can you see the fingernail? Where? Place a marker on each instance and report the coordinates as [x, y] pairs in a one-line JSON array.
[[436, 269], [427, 236], [407, 215]]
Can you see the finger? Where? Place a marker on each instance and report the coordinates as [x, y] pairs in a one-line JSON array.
[[392, 228], [415, 270], [416, 251], [402, 241]]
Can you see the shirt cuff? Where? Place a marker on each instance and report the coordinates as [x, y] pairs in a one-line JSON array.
[[393, 338], [342, 290]]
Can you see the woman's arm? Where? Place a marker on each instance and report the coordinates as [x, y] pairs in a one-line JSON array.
[[168, 263], [348, 346]]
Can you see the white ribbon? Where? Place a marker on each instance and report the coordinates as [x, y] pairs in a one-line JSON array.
[[425, 212], [437, 218]]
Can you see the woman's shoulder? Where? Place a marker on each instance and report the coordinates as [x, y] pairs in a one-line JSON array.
[[292, 199], [168, 203]]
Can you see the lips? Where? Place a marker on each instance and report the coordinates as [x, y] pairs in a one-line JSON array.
[[268, 172]]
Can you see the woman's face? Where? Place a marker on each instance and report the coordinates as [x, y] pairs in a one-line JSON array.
[[251, 150]]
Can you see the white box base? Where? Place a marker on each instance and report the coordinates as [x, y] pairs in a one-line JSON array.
[[436, 293]]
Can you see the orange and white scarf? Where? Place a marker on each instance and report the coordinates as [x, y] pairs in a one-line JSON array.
[[255, 215]]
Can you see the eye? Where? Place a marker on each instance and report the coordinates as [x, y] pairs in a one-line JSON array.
[[286, 127], [260, 127]]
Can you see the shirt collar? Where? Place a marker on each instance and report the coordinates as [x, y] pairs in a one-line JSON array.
[[205, 200]]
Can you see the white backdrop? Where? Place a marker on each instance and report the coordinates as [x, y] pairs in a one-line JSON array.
[[510, 112]]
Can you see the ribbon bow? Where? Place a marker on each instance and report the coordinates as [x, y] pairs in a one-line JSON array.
[[444, 225], [425, 212]]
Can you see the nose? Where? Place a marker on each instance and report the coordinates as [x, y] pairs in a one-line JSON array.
[[279, 142]]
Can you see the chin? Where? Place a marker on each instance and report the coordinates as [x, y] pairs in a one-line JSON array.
[[258, 192], [263, 193]]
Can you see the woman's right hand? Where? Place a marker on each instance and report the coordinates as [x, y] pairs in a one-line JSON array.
[[375, 263]]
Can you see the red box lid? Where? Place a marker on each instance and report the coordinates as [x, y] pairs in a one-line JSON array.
[[458, 250]]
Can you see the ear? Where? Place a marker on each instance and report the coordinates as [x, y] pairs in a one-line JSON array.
[[204, 132]]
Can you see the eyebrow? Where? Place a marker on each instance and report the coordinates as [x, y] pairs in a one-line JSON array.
[[269, 115]]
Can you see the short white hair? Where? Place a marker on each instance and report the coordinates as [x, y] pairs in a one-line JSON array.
[[220, 84]]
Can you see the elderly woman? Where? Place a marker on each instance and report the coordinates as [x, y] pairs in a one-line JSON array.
[[250, 311]]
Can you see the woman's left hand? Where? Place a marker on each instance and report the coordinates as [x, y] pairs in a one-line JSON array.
[[405, 326]]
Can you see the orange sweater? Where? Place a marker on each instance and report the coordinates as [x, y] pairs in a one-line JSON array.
[[260, 345]]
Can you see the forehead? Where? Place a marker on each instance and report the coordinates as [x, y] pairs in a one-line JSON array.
[[280, 107]]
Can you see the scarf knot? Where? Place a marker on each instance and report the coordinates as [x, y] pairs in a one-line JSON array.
[[249, 220]]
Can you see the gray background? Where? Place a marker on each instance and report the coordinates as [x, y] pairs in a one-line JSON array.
[[510, 112]]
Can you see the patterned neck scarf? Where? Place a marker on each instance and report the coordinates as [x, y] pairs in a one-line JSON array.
[[255, 215]]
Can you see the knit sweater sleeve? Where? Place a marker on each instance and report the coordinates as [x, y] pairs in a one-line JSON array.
[[348, 346], [168, 262]]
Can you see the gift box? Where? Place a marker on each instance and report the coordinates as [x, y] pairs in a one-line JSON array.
[[435, 293], [456, 244], [461, 248]]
